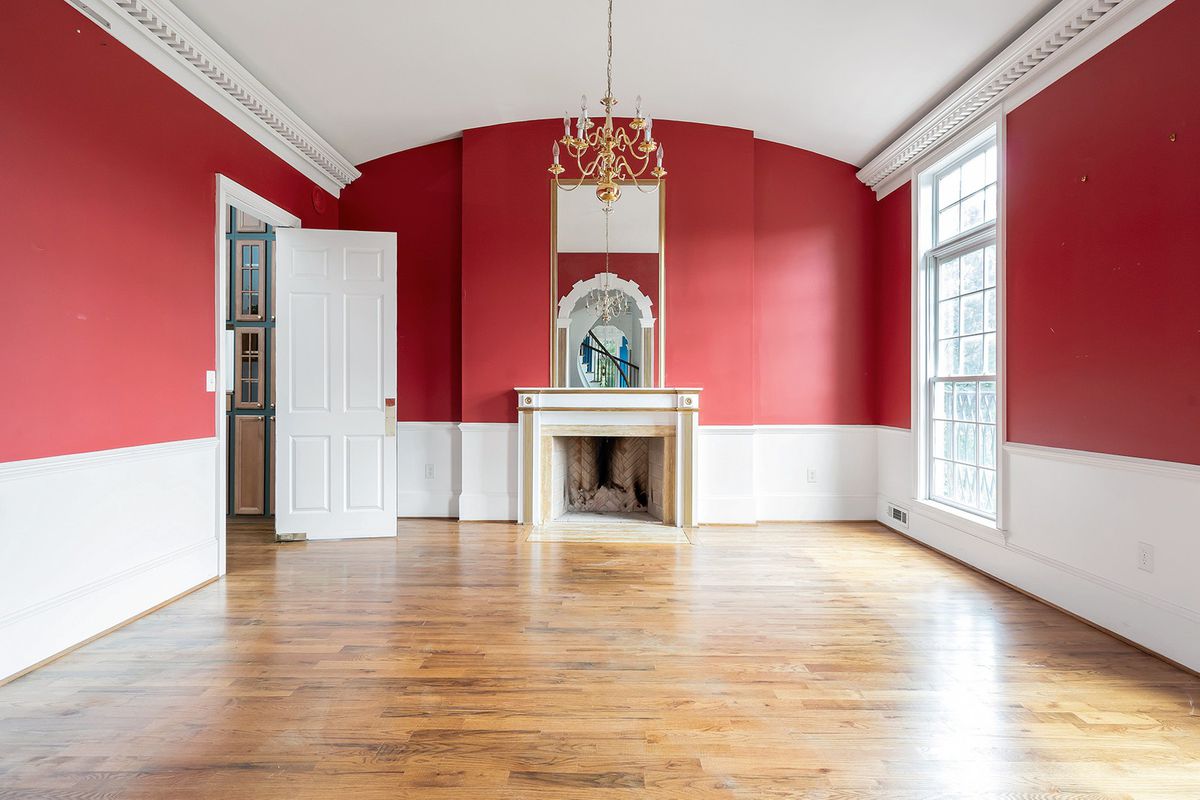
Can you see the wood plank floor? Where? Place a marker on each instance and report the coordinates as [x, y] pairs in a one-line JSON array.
[[459, 661]]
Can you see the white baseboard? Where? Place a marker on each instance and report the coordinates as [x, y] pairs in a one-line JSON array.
[[479, 506], [89, 541], [1073, 528]]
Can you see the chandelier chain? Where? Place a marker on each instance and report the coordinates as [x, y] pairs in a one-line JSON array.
[[609, 93]]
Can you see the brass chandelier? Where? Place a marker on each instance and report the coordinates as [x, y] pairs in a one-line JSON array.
[[609, 154]]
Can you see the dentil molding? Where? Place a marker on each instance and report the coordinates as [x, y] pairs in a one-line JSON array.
[[1063, 28], [174, 34]]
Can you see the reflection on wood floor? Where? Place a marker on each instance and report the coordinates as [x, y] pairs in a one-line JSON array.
[[460, 661]]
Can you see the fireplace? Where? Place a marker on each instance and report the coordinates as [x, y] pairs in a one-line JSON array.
[[607, 456], [614, 477]]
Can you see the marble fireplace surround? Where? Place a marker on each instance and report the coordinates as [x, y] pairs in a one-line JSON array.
[[545, 413]]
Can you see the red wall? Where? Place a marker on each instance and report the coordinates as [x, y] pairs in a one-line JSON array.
[[805, 216], [709, 242], [106, 314], [641, 268], [1103, 278], [418, 194], [893, 301], [505, 266], [814, 289]]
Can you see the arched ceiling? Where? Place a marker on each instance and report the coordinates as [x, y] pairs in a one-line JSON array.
[[839, 77]]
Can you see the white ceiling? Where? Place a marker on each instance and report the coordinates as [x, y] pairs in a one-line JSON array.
[[840, 77]]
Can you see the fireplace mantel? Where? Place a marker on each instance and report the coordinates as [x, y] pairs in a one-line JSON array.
[[545, 412]]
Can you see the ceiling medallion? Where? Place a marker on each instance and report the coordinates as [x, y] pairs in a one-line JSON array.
[[609, 154]]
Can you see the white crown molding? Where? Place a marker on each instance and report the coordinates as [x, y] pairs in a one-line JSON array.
[[203, 67], [1059, 32]]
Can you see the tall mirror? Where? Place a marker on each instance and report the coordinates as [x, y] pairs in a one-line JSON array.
[[607, 322]]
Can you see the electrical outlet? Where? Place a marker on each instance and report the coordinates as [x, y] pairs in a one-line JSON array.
[[429, 472], [1145, 557], [210, 380], [812, 475]]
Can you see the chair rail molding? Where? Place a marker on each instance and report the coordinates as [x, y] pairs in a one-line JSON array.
[[190, 57], [1061, 31]]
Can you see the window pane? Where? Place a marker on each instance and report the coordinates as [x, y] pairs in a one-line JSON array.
[[972, 211], [964, 401], [989, 310], [943, 400], [972, 271], [987, 490], [974, 174], [964, 442], [948, 319], [964, 484], [948, 223], [989, 265], [987, 445], [987, 401], [948, 278], [990, 160], [947, 357], [943, 439], [942, 483], [989, 354], [971, 353], [947, 189], [989, 204], [972, 314]]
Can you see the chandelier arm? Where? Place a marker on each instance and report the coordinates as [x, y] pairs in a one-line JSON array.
[[563, 184]]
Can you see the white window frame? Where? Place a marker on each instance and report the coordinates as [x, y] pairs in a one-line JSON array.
[[925, 255]]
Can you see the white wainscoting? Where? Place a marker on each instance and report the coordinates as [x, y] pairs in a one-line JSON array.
[[88, 541], [489, 471], [425, 446], [726, 470], [843, 464], [747, 473], [1074, 524]]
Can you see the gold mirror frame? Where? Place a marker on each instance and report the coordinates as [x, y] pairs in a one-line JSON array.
[[660, 318]]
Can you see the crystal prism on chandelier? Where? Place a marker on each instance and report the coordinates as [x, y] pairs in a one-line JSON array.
[[608, 154]]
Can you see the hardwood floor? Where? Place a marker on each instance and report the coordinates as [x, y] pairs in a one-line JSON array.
[[458, 661]]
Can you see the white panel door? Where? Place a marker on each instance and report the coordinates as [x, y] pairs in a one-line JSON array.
[[335, 445]]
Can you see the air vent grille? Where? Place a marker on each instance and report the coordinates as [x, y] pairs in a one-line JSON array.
[[897, 515]]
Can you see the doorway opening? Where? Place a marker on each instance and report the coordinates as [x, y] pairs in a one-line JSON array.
[[250, 334]]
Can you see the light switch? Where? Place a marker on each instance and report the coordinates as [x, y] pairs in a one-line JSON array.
[[210, 380]]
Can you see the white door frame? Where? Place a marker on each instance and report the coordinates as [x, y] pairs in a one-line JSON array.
[[231, 193]]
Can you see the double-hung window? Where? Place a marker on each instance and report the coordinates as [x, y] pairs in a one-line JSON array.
[[961, 301]]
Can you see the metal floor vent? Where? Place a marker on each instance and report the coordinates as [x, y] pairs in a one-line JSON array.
[[897, 515]]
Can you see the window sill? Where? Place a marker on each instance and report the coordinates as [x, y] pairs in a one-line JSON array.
[[964, 521]]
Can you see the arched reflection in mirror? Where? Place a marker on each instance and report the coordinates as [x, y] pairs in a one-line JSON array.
[[625, 351]]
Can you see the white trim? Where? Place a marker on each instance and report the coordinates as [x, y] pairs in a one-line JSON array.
[[33, 467], [1059, 32], [957, 518], [231, 193], [164, 36], [1120, 22], [581, 288], [1149, 466]]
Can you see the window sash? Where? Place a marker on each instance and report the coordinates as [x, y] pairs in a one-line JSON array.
[[973, 240]]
